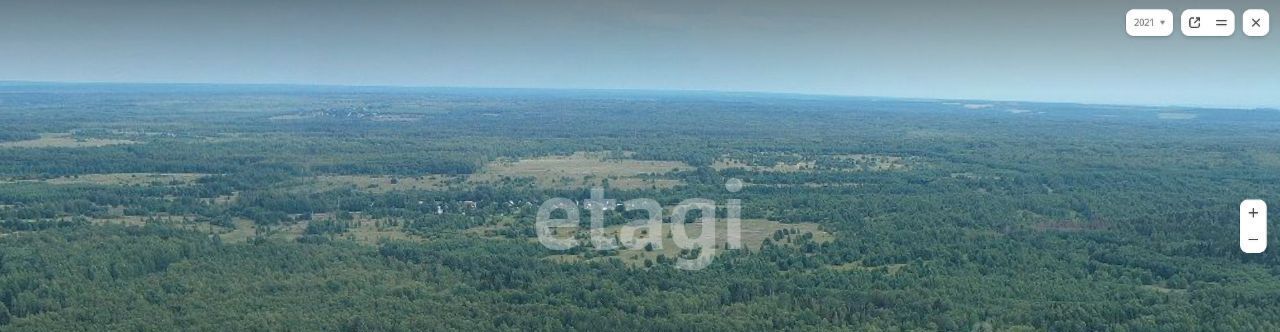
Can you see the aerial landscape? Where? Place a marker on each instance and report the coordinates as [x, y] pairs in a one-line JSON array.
[[203, 207], [624, 165]]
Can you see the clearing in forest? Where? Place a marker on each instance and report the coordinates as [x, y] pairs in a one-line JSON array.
[[130, 179], [63, 140], [582, 170]]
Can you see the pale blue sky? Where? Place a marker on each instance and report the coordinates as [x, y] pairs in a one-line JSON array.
[[1005, 49]]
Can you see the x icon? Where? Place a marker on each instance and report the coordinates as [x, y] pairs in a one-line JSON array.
[[1257, 22]]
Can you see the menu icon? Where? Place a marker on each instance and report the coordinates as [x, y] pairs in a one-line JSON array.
[[1208, 22]]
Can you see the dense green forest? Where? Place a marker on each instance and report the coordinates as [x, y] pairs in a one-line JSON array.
[[193, 207]]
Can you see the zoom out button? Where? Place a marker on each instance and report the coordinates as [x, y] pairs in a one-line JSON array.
[[1253, 226]]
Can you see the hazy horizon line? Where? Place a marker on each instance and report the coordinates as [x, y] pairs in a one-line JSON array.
[[11, 83]]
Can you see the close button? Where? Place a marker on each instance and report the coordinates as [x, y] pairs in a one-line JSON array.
[[1256, 22]]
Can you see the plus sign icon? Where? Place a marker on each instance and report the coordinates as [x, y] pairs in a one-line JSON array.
[[1253, 226]]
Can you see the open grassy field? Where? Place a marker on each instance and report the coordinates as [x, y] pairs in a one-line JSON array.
[[582, 170], [244, 230], [63, 140], [129, 179], [578, 170]]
